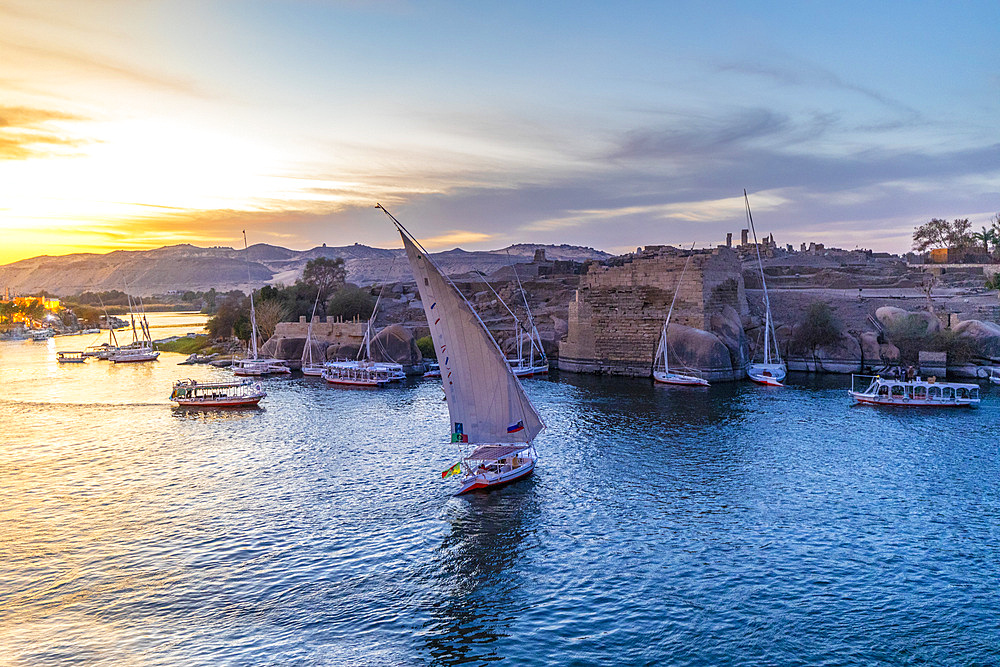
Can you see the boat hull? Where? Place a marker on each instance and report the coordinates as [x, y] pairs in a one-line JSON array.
[[528, 371], [360, 384], [226, 403], [253, 372], [675, 378], [865, 399], [765, 380], [134, 358], [484, 482]]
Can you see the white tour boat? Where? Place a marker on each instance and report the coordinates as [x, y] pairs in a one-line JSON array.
[[194, 394], [71, 357], [664, 374], [914, 393], [772, 370], [355, 374], [488, 408], [364, 371]]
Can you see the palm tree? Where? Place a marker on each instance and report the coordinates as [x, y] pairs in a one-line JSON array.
[[986, 237]]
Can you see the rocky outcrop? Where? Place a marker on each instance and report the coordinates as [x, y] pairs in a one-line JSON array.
[[984, 335], [342, 351], [289, 349], [397, 345], [727, 325], [702, 351], [918, 323]]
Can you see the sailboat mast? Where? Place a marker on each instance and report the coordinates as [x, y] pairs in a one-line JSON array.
[[253, 314], [307, 350], [517, 322], [533, 331], [670, 311], [767, 303]]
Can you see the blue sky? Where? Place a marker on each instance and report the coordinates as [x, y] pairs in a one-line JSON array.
[[609, 125]]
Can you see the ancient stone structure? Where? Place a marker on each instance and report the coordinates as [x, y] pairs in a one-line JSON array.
[[333, 332], [615, 320]]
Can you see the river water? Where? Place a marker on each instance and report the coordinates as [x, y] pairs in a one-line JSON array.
[[734, 525]]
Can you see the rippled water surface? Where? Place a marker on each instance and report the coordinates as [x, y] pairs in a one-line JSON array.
[[735, 525]]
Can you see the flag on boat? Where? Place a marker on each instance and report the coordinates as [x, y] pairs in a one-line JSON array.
[[454, 470], [459, 437], [514, 428]]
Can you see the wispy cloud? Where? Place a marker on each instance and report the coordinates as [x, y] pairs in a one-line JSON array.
[[27, 132]]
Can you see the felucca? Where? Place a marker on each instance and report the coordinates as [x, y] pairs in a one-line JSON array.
[[664, 374], [771, 371], [489, 411], [141, 347]]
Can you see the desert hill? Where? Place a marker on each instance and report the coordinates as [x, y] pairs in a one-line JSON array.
[[186, 267]]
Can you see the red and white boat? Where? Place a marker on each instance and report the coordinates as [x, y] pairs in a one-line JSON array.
[[490, 466], [487, 406], [194, 394], [914, 393], [767, 374], [772, 370]]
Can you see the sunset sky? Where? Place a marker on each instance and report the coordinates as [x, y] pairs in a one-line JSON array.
[[129, 124]]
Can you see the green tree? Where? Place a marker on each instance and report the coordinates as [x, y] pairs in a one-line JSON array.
[[426, 347], [986, 237], [818, 327], [230, 309], [326, 275], [349, 302], [939, 233], [960, 235]]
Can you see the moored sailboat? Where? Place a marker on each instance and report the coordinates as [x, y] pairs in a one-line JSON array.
[[488, 409], [311, 366], [533, 360], [772, 370], [253, 364], [665, 375], [141, 347]]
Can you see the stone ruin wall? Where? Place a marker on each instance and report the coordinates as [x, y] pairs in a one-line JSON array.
[[616, 318]]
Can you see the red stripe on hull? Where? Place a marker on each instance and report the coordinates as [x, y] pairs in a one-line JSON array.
[[493, 485], [230, 404]]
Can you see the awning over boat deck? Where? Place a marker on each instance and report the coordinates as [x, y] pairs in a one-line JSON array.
[[494, 452]]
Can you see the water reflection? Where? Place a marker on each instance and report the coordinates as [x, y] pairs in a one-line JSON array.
[[477, 576], [229, 414]]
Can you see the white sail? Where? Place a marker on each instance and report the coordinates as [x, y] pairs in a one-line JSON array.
[[486, 401]]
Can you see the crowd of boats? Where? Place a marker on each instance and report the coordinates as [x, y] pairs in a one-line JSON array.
[[493, 422]]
